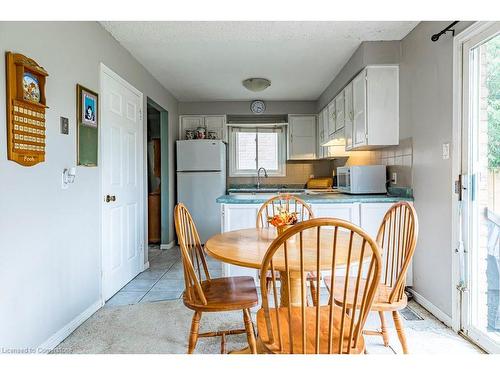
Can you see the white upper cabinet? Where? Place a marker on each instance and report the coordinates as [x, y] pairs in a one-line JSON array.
[[326, 125], [320, 133], [376, 107], [365, 115], [359, 110], [331, 118], [216, 123], [349, 116], [339, 111], [302, 137]]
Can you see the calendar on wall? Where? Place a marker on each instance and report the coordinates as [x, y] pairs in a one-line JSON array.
[[26, 104]]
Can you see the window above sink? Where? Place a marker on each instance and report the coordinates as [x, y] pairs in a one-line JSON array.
[[252, 147]]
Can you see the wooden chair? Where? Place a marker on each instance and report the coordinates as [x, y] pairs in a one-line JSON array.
[[211, 295], [397, 238], [304, 212], [313, 245]]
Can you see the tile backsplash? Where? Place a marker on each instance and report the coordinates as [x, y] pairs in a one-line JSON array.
[[297, 172], [398, 159]]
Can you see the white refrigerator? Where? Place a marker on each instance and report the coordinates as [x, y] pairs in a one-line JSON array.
[[201, 179]]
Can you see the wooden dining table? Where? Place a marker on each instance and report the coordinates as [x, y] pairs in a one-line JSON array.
[[248, 247]]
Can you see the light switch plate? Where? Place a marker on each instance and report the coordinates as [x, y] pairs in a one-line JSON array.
[[446, 151], [64, 125]]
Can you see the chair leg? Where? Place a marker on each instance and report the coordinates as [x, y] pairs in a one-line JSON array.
[[383, 324], [193, 335], [400, 330], [250, 333]]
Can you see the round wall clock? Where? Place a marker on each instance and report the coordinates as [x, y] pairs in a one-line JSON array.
[[258, 106]]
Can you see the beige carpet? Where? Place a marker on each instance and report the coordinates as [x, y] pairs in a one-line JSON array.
[[162, 327]]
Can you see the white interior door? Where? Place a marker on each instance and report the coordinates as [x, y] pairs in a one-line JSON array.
[[480, 207], [122, 182]]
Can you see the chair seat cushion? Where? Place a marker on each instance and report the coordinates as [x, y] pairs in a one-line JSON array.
[[380, 301], [296, 313], [225, 294]]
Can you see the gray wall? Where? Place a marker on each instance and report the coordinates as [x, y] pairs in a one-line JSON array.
[[366, 54], [50, 248], [243, 107], [426, 91]]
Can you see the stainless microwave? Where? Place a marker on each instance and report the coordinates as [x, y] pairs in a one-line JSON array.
[[362, 179]]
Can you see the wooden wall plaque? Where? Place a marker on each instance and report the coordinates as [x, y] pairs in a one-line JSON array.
[[26, 104]]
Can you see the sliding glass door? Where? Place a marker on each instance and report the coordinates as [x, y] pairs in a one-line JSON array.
[[480, 212]]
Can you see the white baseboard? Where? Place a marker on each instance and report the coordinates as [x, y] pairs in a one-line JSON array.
[[145, 266], [426, 304], [167, 246], [65, 331]]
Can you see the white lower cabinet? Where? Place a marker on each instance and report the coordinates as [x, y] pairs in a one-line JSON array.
[[371, 216], [344, 211], [242, 216], [234, 217]]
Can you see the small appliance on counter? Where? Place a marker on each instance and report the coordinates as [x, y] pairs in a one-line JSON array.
[[362, 179], [319, 183]]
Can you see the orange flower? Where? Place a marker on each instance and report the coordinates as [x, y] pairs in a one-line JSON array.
[[283, 217]]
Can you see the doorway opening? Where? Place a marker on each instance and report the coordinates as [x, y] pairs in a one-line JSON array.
[[157, 174]]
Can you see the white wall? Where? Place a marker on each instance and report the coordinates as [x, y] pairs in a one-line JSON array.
[[426, 91], [243, 107], [50, 263]]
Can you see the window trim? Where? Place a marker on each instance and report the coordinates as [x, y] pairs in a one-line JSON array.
[[232, 146]]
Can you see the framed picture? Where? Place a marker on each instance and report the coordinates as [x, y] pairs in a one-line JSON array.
[[87, 113], [88, 107]]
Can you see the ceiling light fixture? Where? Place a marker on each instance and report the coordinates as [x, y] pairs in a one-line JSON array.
[[256, 84]]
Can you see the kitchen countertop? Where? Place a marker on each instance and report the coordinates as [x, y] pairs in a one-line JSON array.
[[395, 195]]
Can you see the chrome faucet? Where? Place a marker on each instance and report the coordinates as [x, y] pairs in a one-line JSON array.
[[258, 175]]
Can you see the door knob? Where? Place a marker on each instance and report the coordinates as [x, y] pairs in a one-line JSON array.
[[110, 198]]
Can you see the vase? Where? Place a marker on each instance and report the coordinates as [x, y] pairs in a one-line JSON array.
[[282, 228]]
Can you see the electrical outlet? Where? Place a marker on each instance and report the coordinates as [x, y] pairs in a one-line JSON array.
[[394, 178]]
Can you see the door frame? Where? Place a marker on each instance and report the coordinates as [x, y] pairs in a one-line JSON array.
[[459, 285], [165, 178], [142, 196]]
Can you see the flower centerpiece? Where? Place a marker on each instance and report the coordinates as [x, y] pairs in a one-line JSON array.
[[282, 220]]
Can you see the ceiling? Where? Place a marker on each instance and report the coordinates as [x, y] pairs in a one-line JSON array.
[[206, 61]]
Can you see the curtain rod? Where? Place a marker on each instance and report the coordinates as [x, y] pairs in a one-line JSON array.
[[435, 37]]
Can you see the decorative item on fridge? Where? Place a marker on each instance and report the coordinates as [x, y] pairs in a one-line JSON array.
[[201, 133], [189, 134]]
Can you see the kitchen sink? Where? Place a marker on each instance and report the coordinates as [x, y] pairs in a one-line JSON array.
[[262, 194]]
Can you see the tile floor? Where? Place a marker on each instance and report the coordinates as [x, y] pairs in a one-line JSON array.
[[164, 280]]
